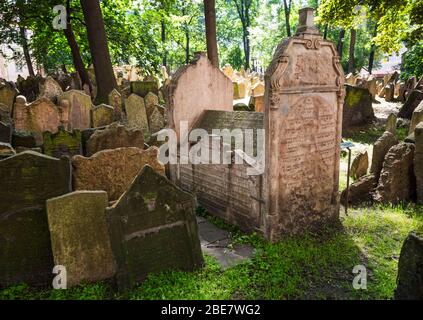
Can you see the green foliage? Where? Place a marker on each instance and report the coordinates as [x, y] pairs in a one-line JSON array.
[[412, 61]]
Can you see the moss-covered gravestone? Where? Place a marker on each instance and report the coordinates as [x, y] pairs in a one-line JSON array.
[[27, 181], [142, 88], [62, 143], [358, 110], [102, 115], [79, 236], [5, 133], [153, 228]]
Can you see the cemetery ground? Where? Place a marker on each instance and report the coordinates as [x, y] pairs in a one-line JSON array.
[[310, 267]]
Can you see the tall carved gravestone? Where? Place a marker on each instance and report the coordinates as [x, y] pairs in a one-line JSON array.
[[27, 181], [303, 119], [153, 228]]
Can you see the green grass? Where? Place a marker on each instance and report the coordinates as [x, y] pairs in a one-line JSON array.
[[369, 136], [307, 267]]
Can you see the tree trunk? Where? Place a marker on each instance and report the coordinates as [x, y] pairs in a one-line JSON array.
[[351, 59], [287, 11], [340, 45], [76, 53], [211, 39], [187, 46], [325, 33], [25, 48], [164, 42], [372, 52], [97, 40]]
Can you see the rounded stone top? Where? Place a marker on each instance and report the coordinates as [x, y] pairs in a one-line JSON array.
[[21, 99], [64, 103]]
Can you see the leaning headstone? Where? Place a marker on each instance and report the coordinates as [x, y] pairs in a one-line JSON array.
[[359, 165], [112, 170], [397, 182], [7, 95], [410, 269], [153, 229], [358, 110], [114, 136], [380, 149], [36, 117], [27, 180], [389, 92], [303, 103], [136, 113], [413, 100], [115, 100], [142, 88], [76, 110], [79, 236], [391, 124], [156, 120], [62, 143], [151, 101], [416, 118], [418, 161], [360, 191], [194, 88], [103, 115], [5, 133], [5, 113], [50, 89]]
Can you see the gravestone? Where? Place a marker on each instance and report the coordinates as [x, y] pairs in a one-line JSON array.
[[50, 89], [79, 236], [5, 133], [36, 117], [103, 115], [359, 165], [27, 180], [136, 113], [194, 88], [115, 100], [5, 113], [114, 136], [391, 123], [29, 87], [357, 109], [413, 100], [380, 149], [62, 143], [156, 120], [112, 170], [7, 95], [151, 101], [303, 118], [6, 150], [23, 139], [76, 110], [418, 161], [142, 88], [153, 228], [416, 118]]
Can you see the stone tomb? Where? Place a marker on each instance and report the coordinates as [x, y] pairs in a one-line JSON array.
[[76, 106], [194, 88], [153, 228], [113, 170], [114, 136], [79, 236], [136, 113], [115, 100], [7, 95], [62, 143], [50, 89], [304, 97], [27, 180], [142, 88]]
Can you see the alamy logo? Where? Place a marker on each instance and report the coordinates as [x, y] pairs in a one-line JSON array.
[[60, 280], [360, 280], [60, 20]]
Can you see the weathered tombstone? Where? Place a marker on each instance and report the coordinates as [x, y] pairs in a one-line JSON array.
[[62, 143], [410, 268], [397, 182], [79, 236], [303, 118], [151, 101], [114, 136], [29, 87], [357, 110], [240, 89], [5, 133], [351, 79], [50, 89], [112, 170], [418, 161], [23, 139], [391, 124], [27, 180], [7, 95], [194, 88], [413, 100], [156, 120], [76, 106], [359, 165], [257, 103], [36, 117], [6, 150], [142, 88], [417, 117], [371, 86], [389, 92], [136, 113], [153, 228], [103, 115], [115, 100], [360, 191], [5, 113], [380, 149]]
